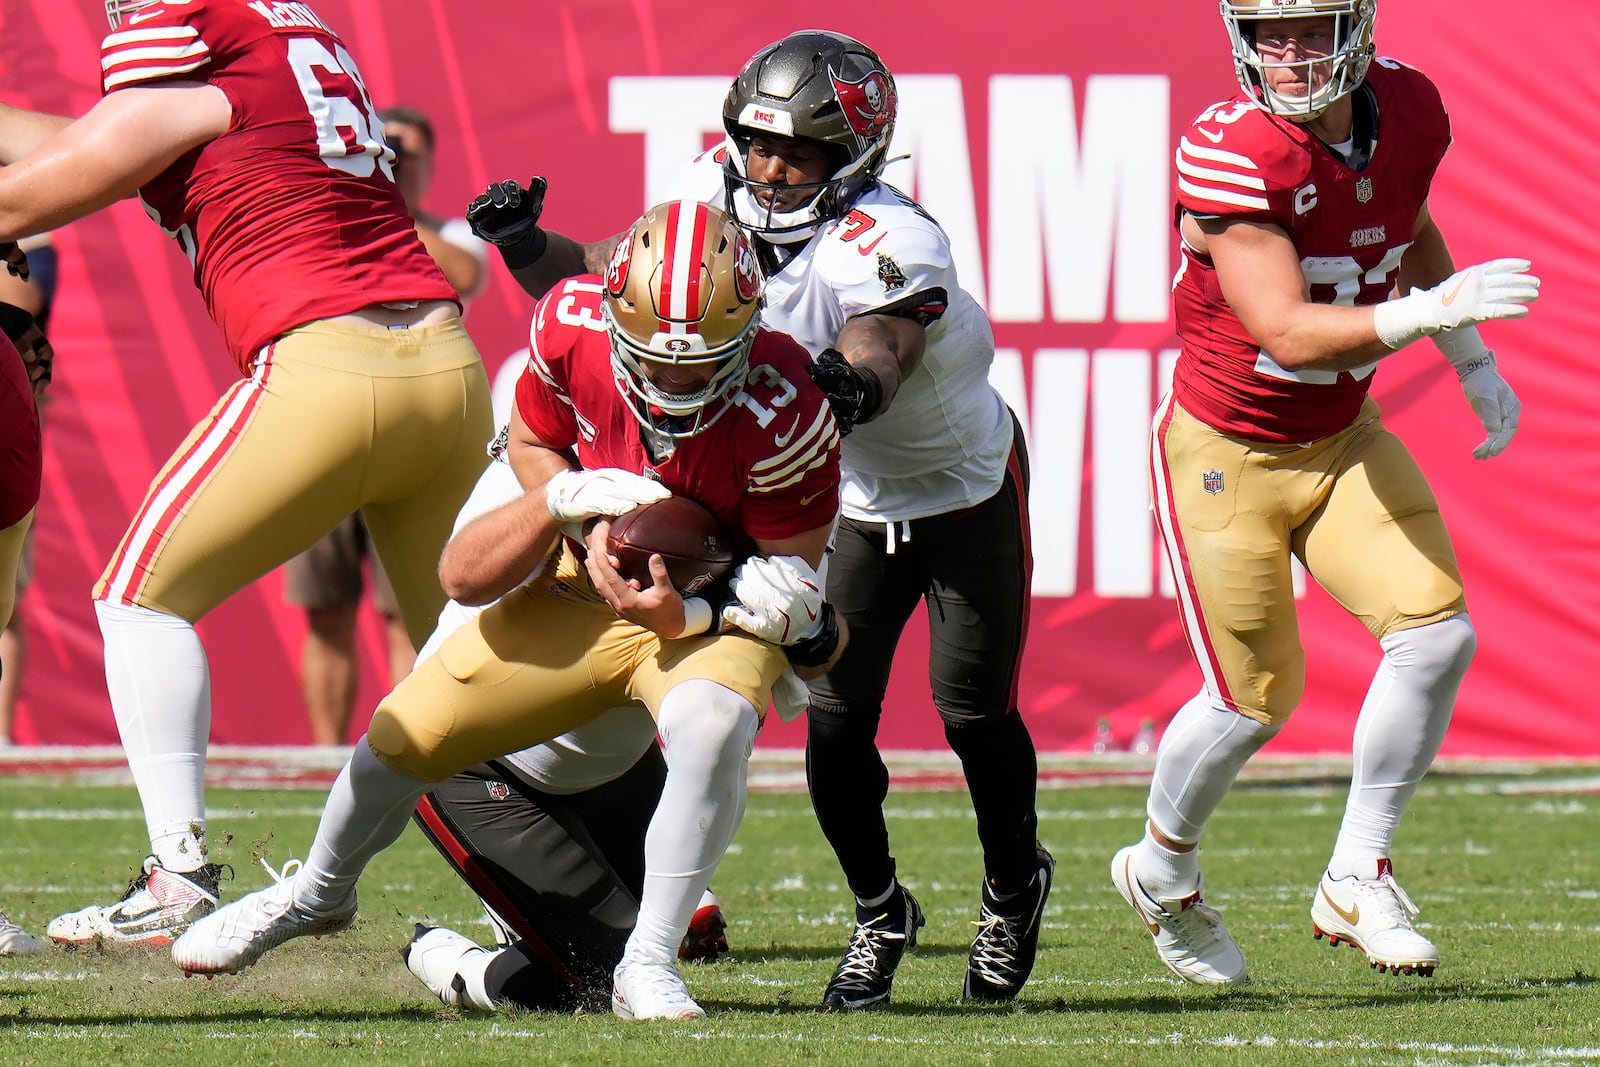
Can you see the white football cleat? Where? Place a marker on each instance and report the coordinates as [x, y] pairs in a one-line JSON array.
[[1373, 915], [641, 990], [452, 966], [157, 906], [235, 936], [1190, 936], [15, 941]]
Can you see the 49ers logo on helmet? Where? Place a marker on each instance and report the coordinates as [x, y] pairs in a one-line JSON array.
[[746, 274], [617, 269], [868, 104]]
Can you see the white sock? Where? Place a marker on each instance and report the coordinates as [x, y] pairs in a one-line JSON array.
[[160, 687], [367, 811], [1398, 734], [1201, 753], [1166, 873], [707, 732]]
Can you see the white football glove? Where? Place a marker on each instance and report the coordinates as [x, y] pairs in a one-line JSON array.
[[1493, 401], [578, 496], [778, 599], [1498, 289]]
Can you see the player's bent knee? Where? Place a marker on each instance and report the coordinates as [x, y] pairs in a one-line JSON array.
[[405, 745]]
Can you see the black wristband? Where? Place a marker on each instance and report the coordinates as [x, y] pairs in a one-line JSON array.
[[871, 394], [817, 649], [527, 251]]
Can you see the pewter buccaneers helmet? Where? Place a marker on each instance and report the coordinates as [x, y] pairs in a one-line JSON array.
[[682, 289], [819, 85], [117, 10], [1347, 66]]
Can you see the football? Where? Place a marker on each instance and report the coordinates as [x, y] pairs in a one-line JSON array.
[[692, 542]]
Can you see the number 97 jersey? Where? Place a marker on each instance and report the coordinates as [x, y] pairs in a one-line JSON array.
[[1349, 227], [292, 215]]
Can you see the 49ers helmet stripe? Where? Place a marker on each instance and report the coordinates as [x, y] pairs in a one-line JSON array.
[[680, 270]]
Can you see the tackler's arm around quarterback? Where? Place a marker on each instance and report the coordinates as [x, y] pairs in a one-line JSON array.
[[506, 215], [874, 353]]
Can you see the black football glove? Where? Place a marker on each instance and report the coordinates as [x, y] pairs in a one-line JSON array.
[[16, 259], [37, 355], [507, 216], [854, 393]]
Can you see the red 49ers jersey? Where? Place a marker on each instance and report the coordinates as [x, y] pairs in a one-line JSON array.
[[1237, 161], [21, 460], [293, 214], [769, 466]]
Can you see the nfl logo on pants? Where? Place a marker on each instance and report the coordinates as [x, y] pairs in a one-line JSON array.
[[1211, 482]]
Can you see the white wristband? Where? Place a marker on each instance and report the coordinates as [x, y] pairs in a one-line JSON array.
[[1399, 322], [697, 616]]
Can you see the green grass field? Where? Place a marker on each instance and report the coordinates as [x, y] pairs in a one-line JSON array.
[[1502, 861]]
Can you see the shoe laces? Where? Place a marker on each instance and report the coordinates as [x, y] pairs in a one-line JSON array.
[[1392, 903], [994, 950], [1195, 923], [860, 963]]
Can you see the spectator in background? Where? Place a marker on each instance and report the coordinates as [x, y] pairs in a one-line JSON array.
[[34, 295], [327, 579]]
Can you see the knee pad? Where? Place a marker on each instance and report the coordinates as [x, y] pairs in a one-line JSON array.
[[702, 719]]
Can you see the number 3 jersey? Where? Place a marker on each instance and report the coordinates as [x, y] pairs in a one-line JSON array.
[[1350, 227], [768, 466], [293, 214]]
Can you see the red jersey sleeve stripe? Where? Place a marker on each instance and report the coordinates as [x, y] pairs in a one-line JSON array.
[[152, 54], [1213, 176]]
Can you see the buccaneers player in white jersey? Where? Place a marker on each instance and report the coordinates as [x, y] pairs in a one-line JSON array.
[[661, 380], [247, 132], [1302, 209], [935, 478]]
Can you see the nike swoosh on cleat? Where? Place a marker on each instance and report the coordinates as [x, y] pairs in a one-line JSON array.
[[1353, 916], [1127, 876]]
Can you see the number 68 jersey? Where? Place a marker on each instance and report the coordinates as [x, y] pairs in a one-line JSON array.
[[1350, 228], [769, 466], [292, 215]]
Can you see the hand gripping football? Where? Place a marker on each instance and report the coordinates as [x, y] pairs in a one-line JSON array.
[[691, 541]]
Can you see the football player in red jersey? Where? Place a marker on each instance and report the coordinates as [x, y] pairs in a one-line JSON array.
[[247, 132], [659, 378], [21, 467], [1303, 210]]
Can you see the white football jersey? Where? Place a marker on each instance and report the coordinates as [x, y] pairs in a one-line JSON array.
[[944, 441]]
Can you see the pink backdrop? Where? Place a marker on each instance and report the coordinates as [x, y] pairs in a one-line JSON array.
[[1042, 141]]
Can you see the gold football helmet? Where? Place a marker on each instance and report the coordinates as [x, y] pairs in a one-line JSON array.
[[682, 307], [1346, 65]]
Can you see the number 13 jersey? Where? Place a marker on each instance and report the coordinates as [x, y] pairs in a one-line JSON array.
[[1350, 228], [293, 214]]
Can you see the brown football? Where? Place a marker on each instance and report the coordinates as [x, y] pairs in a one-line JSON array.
[[692, 542]]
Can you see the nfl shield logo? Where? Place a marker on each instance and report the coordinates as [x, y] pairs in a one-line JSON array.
[[1364, 189], [498, 790], [1211, 482]]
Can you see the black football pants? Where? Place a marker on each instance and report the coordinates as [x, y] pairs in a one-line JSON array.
[[564, 872], [972, 569]]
